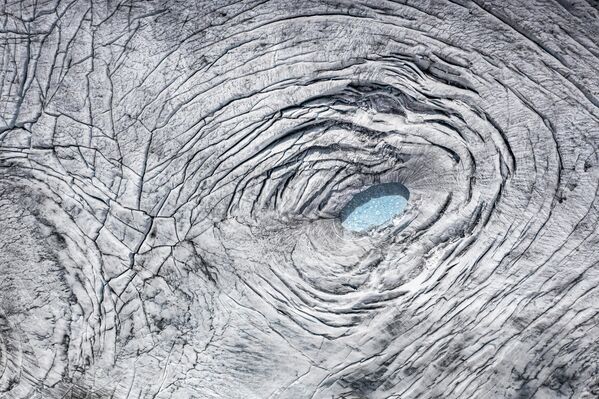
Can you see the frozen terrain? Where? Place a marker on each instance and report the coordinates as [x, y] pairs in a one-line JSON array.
[[174, 177]]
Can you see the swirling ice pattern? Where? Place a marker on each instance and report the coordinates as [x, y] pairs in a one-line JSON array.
[[172, 175]]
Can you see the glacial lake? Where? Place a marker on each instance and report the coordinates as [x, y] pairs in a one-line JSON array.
[[375, 206]]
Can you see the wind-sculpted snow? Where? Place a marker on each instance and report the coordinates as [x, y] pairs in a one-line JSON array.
[[172, 175]]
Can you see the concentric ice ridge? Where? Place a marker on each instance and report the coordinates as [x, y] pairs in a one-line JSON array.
[[174, 176]]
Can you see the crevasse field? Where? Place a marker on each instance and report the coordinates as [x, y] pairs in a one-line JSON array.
[[322, 199]]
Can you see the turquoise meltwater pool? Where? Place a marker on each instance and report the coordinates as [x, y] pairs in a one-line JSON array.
[[374, 206]]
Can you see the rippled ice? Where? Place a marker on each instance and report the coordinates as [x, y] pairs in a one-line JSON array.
[[374, 206]]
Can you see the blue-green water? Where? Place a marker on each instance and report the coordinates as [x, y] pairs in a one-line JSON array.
[[374, 206]]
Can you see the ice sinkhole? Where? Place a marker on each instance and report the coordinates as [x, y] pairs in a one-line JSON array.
[[374, 206]]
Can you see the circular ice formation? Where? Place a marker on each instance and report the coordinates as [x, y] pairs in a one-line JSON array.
[[196, 181], [374, 206]]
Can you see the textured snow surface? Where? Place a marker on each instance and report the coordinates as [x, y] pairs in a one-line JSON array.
[[172, 175]]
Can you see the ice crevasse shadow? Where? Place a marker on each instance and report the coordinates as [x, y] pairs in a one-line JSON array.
[[375, 206]]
